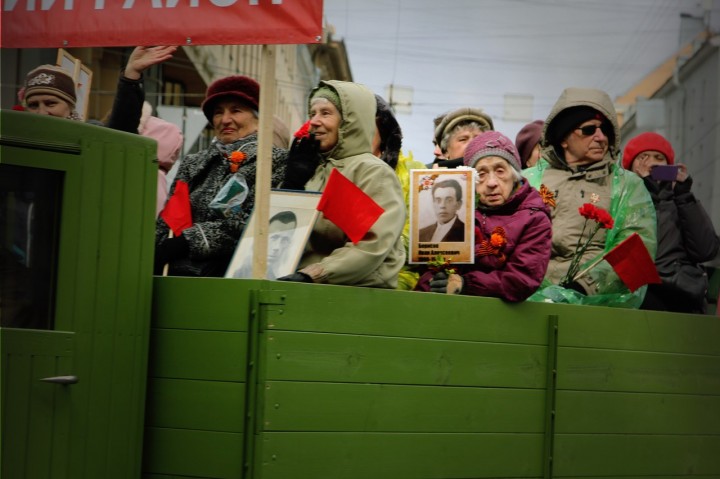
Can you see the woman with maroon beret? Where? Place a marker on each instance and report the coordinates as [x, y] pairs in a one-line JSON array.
[[206, 247]]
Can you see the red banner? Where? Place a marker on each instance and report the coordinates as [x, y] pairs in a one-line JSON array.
[[114, 23]]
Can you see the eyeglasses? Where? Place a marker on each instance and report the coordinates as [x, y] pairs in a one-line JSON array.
[[588, 130]]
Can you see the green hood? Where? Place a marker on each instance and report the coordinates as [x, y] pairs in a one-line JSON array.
[[358, 124]]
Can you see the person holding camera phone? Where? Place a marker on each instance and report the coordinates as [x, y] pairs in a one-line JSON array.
[[686, 236]]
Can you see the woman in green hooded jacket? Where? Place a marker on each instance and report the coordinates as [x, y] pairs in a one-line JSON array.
[[342, 126], [581, 138]]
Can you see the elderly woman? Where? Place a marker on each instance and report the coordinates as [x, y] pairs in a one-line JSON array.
[[342, 126], [206, 247], [513, 232]]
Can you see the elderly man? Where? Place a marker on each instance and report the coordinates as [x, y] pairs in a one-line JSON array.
[[578, 166], [455, 132], [447, 200]]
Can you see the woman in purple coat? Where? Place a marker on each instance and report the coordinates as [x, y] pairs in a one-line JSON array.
[[513, 231]]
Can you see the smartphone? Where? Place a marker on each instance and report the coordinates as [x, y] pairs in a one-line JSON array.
[[664, 172]]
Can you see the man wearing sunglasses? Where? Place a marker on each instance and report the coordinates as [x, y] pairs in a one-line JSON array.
[[578, 165]]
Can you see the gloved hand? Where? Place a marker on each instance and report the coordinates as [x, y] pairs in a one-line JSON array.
[[575, 286], [442, 283], [302, 161], [297, 277], [169, 250], [682, 187]]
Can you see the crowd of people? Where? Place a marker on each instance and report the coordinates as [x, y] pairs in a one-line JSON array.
[[530, 194]]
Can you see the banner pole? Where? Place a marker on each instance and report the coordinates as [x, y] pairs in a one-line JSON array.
[[264, 162]]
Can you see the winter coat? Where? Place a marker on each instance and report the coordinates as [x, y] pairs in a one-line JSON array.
[[330, 257], [619, 191], [686, 237], [213, 236], [528, 232]]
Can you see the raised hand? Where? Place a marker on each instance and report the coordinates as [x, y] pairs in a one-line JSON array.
[[143, 58]]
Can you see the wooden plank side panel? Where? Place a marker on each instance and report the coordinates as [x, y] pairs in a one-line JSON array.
[[299, 406], [206, 304], [202, 405], [198, 454], [636, 413], [579, 455], [637, 371], [373, 359], [594, 327], [344, 309], [35, 414], [203, 355], [380, 456]]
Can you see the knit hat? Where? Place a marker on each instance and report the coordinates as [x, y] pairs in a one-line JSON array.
[[390, 132], [329, 94], [169, 139], [647, 142], [50, 80], [491, 143], [462, 115], [238, 87], [527, 138], [569, 119]]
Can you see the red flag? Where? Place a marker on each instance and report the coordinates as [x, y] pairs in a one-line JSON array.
[[177, 212], [632, 263], [348, 206]]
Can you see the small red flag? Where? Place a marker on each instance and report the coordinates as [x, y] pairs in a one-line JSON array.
[[632, 263], [177, 212], [346, 205]]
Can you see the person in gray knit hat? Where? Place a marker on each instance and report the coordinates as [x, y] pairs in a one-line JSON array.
[[456, 130], [512, 228]]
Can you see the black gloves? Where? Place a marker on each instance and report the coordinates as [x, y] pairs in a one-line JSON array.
[[575, 286], [297, 277], [169, 250], [438, 284], [302, 161], [683, 187]]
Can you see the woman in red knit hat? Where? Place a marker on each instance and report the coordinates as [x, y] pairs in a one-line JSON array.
[[206, 247], [686, 236]]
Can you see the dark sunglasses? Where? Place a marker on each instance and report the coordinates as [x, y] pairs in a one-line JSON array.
[[588, 130]]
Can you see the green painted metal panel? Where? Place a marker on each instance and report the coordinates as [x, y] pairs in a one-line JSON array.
[[579, 455], [608, 370], [344, 309], [355, 358], [637, 413], [185, 404], [188, 453], [297, 406], [608, 328], [193, 354], [377, 455]]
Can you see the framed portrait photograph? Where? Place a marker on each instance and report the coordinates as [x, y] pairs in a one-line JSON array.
[[442, 215], [291, 220]]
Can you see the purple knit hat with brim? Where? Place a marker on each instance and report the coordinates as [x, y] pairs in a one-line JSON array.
[[238, 87], [491, 143]]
